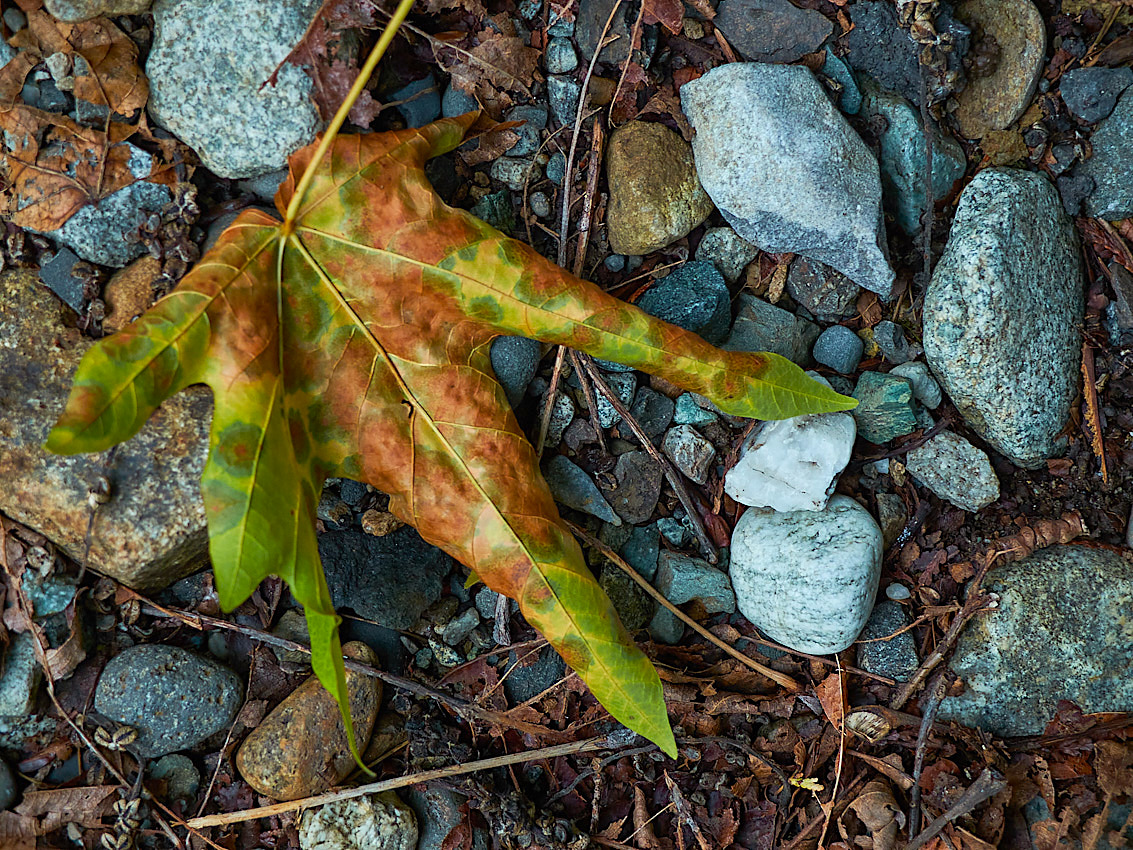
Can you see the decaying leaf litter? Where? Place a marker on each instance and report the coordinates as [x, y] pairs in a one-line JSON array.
[[714, 702]]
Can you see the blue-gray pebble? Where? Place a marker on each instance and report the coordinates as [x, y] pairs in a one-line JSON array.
[[839, 348], [534, 120], [457, 102], [693, 297], [174, 698], [560, 57], [425, 107], [514, 360]]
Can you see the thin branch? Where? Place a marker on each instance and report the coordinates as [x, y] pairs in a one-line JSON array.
[[936, 691], [588, 745], [986, 786], [462, 707]]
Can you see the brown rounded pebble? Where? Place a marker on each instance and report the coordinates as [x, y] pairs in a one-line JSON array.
[[301, 748], [129, 293]]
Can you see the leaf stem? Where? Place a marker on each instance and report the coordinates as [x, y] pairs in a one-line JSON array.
[[339, 118]]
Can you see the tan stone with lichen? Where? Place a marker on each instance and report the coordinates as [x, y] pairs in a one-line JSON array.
[[152, 531], [301, 748], [655, 196]]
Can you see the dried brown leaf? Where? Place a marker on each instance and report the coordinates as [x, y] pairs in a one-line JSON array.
[[667, 13], [877, 809], [1114, 766], [17, 832], [642, 827], [59, 806], [831, 693]]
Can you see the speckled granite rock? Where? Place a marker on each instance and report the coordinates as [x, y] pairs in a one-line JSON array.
[[1002, 313], [174, 698], [209, 61], [1061, 631], [955, 470], [786, 170], [807, 579], [373, 822], [84, 10], [301, 748], [153, 531]]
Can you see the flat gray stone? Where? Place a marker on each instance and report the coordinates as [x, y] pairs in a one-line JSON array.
[[1002, 313], [152, 532], [895, 657], [955, 470], [902, 156], [682, 579], [689, 452], [786, 170], [174, 698], [207, 71], [772, 30], [729, 252], [694, 297], [1091, 93], [638, 488], [19, 682], [105, 232], [808, 579], [1111, 166], [825, 293], [760, 326], [574, 488], [925, 388], [1061, 632]]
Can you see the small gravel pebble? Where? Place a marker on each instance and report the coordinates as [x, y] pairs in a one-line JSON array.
[[839, 348], [560, 57], [897, 591], [540, 204]]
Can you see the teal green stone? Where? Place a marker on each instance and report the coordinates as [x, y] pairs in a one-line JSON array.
[[688, 412], [885, 407], [496, 210]]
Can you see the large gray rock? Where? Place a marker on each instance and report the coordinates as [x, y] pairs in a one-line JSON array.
[[786, 170], [152, 532], [760, 326], [174, 698], [1001, 315], [807, 579], [1061, 631], [207, 70], [1111, 166]]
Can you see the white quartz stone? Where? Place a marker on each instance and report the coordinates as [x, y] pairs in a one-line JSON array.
[[792, 464], [808, 579]]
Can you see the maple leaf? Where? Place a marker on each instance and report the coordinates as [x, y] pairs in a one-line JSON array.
[[353, 340]]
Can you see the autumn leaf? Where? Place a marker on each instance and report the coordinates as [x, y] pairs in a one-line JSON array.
[[53, 165], [354, 341]]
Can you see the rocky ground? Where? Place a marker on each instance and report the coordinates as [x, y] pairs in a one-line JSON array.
[[756, 171]]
